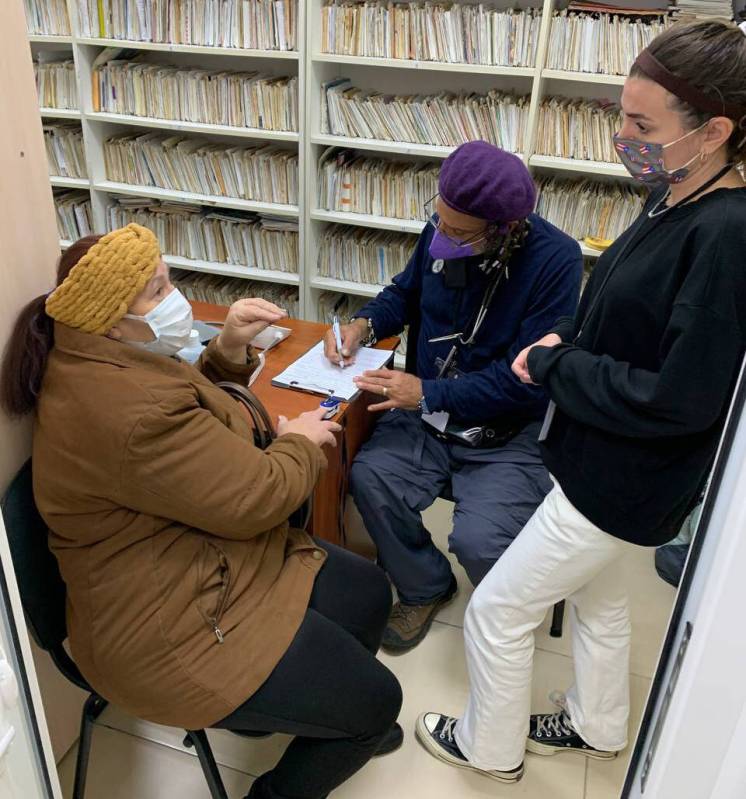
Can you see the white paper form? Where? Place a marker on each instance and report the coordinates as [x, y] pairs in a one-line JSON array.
[[315, 373]]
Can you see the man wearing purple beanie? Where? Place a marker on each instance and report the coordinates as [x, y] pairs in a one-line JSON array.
[[487, 278]]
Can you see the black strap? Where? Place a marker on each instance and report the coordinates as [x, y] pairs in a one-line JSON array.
[[635, 239]]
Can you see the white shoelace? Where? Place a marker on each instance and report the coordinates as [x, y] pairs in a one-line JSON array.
[[447, 731], [554, 725]]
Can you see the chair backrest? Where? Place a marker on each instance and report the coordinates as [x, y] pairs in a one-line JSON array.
[[40, 584]]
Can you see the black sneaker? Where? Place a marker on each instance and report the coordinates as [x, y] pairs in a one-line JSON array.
[[435, 732], [552, 733], [392, 741]]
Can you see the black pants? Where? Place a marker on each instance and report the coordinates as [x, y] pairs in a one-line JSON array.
[[328, 690]]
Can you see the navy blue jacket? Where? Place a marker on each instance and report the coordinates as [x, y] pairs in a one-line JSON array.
[[543, 284]]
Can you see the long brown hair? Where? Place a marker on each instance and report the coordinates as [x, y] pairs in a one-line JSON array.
[[710, 55], [31, 340]]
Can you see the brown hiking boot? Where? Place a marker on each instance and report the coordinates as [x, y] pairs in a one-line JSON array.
[[409, 624]]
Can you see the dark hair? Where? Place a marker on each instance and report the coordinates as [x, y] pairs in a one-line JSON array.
[[711, 56], [32, 338]]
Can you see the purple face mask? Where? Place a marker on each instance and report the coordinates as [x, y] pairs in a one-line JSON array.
[[445, 248]]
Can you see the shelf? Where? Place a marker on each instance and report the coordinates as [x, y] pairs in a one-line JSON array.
[[69, 183], [368, 220], [426, 66], [38, 38], [346, 286], [192, 127], [584, 77], [271, 209], [59, 113], [290, 55], [232, 270], [381, 146], [576, 165]]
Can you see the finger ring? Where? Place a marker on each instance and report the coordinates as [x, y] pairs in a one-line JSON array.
[[385, 391]]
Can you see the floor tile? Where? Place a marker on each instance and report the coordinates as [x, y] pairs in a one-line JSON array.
[[126, 767]]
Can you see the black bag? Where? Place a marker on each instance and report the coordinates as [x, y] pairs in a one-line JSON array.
[[264, 435]]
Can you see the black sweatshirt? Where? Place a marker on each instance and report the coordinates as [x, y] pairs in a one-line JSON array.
[[643, 394]]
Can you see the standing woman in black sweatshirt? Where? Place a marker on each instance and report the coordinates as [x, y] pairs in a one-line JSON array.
[[640, 382]]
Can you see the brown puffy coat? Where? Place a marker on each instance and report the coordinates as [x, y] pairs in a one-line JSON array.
[[185, 584]]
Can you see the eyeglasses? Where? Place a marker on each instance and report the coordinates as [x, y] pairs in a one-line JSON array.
[[434, 220]]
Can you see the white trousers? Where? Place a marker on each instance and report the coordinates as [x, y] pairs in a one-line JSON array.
[[558, 555]]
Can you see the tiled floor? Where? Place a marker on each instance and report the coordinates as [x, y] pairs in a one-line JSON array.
[[124, 765]]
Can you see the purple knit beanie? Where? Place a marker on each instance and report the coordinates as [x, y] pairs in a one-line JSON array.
[[482, 180]]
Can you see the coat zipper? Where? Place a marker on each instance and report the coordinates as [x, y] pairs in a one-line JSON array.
[[225, 580]]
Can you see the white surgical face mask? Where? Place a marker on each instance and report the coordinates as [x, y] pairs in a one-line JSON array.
[[171, 323]]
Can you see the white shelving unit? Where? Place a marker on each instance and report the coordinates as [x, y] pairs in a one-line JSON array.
[[313, 67]]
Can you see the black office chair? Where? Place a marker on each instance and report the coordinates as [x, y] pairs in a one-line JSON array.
[[43, 598]]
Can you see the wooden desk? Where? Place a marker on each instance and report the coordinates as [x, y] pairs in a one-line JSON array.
[[357, 422]]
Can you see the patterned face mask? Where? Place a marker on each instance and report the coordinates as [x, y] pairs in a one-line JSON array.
[[644, 160]]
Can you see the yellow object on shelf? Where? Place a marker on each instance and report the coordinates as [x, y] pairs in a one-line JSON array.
[[598, 244]]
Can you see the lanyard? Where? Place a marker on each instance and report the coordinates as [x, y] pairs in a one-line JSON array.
[[635, 239]]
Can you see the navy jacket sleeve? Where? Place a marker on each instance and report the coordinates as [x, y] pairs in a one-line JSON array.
[[399, 303], [700, 351], [495, 390]]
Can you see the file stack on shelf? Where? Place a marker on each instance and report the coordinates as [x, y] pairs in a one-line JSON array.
[[226, 290], [249, 24], [581, 129], [600, 43], [589, 208], [225, 237], [179, 163], [345, 306], [74, 215], [691, 10], [47, 17], [56, 84], [350, 183], [444, 119], [452, 33], [65, 150], [239, 99], [362, 255]]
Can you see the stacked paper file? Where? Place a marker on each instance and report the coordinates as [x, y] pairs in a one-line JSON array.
[[226, 290], [363, 255], [47, 17], [445, 119], [355, 184], [453, 33], [74, 216], [240, 99], [253, 24], [65, 151], [56, 84], [580, 129], [228, 237], [263, 173]]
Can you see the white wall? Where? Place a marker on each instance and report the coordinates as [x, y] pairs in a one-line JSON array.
[[29, 247]]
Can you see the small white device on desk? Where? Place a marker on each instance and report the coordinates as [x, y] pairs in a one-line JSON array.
[[315, 373]]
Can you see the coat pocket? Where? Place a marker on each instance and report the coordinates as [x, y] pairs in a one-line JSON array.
[[213, 586]]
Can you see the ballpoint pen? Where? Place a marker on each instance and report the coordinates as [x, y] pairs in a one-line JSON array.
[[338, 339]]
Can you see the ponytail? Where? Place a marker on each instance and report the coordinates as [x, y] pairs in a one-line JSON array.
[[31, 341]]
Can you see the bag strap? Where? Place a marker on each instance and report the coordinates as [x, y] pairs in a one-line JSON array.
[[263, 427]]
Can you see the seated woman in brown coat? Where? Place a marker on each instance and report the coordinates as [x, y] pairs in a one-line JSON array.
[[190, 600]]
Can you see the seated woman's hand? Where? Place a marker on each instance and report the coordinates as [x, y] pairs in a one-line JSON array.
[[245, 320], [520, 364], [311, 425]]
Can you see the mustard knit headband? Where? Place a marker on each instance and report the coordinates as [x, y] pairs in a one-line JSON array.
[[101, 286]]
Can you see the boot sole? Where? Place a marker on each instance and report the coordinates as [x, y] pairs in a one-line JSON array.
[[423, 736], [405, 646], [549, 751]]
